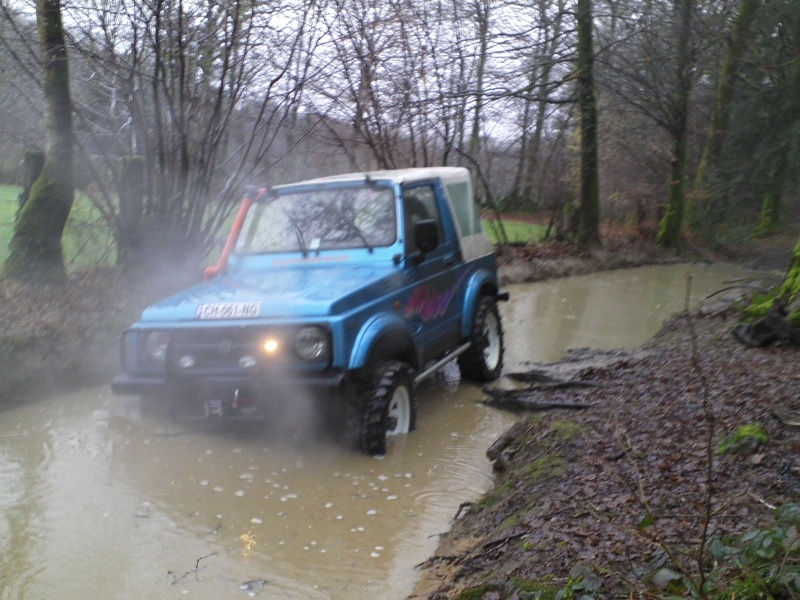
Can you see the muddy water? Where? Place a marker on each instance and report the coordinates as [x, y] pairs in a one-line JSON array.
[[604, 310], [101, 497]]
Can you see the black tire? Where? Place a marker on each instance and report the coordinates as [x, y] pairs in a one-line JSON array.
[[387, 406], [484, 359]]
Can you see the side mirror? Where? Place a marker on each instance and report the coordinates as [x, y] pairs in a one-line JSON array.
[[426, 235]]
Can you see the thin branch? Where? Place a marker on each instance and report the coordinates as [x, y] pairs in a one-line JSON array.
[[176, 578]]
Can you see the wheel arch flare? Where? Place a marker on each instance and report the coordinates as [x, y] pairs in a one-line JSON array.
[[383, 337], [481, 283]]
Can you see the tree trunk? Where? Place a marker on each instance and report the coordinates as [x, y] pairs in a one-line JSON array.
[[775, 319], [515, 193], [770, 208], [131, 208], [718, 128], [32, 164], [669, 234], [589, 209], [482, 8], [35, 249], [529, 193], [790, 290]]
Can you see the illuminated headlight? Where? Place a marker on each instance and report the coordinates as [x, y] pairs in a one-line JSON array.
[[155, 346], [313, 344]]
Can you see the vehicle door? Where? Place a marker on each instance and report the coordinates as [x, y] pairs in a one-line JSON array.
[[433, 308]]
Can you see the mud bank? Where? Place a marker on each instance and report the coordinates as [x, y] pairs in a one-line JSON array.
[[523, 264], [616, 495], [64, 336]]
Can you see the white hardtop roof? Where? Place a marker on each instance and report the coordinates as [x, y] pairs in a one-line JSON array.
[[395, 176]]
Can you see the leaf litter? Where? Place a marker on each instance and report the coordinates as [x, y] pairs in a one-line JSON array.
[[613, 489]]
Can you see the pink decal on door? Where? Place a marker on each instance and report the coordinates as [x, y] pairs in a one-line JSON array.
[[426, 303]]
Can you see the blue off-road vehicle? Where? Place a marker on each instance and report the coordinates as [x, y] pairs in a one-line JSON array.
[[351, 289]]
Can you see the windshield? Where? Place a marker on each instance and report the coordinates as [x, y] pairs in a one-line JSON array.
[[323, 219]]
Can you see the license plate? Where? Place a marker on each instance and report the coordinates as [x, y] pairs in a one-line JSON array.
[[228, 310]]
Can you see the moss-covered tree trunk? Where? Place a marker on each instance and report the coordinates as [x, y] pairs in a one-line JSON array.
[[770, 207], [776, 317], [718, 128], [701, 197], [35, 249], [789, 294], [589, 208], [32, 164], [669, 233]]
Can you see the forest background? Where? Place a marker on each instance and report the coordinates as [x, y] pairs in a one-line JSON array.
[[689, 110]]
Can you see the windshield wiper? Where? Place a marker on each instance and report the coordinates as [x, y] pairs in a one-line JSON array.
[[346, 225], [299, 235], [351, 228]]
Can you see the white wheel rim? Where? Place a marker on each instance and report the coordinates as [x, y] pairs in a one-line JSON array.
[[399, 416], [491, 352]]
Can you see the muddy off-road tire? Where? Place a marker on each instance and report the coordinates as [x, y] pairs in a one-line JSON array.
[[388, 406], [484, 359]]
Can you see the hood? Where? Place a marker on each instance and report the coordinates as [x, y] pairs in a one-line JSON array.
[[281, 293]]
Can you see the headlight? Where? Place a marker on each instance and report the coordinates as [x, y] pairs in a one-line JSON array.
[[271, 345], [155, 346], [313, 344]]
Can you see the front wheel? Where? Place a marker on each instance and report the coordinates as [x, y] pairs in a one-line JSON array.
[[388, 406], [483, 361]]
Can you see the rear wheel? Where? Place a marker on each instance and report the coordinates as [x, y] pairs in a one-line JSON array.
[[483, 361], [388, 406]]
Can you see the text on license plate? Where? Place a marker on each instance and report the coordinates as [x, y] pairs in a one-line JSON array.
[[228, 310]]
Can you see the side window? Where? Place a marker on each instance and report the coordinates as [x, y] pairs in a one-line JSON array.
[[419, 204], [462, 206]]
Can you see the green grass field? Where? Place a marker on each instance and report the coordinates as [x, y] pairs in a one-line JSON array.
[[8, 209], [87, 241], [523, 232]]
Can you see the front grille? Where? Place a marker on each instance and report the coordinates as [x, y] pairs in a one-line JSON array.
[[217, 348]]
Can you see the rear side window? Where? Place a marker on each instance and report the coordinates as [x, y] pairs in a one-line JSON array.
[[466, 212]]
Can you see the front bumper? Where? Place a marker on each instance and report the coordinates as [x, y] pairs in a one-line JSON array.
[[321, 385]]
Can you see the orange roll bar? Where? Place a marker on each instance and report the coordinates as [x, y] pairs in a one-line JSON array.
[[247, 202]]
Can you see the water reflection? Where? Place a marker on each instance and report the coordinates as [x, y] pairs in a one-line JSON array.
[[129, 502], [603, 310], [102, 499], [23, 458]]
